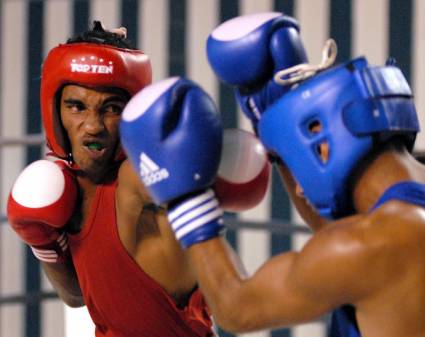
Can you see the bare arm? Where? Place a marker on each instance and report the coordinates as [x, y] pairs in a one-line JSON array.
[[288, 289], [64, 279], [130, 199], [241, 304]]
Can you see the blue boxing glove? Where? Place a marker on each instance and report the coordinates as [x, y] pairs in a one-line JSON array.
[[247, 51], [172, 134]]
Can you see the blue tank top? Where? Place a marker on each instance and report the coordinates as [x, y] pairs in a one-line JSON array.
[[343, 321]]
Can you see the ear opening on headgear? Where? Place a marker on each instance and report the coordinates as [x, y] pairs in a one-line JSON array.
[[314, 126], [311, 126]]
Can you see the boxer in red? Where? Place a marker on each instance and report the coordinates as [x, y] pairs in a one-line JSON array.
[[86, 215]]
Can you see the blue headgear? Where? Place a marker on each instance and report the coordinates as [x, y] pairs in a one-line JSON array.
[[357, 106]]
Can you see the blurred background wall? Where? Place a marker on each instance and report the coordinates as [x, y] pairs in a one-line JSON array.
[[173, 34]]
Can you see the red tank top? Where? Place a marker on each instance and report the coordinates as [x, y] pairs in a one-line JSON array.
[[124, 301]]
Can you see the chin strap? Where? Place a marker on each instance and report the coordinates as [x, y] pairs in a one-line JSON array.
[[303, 71]]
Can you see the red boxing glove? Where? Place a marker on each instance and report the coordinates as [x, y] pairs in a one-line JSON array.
[[40, 204], [244, 172]]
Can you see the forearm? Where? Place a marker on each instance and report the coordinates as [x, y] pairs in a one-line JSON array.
[[269, 298], [221, 279], [41, 225], [64, 279]]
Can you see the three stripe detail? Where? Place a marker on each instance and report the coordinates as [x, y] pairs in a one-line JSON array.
[[51, 255], [195, 213]]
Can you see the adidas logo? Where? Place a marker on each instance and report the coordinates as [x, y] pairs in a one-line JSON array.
[[151, 173]]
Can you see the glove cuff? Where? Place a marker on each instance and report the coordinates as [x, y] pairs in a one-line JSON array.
[[197, 218], [55, 252]]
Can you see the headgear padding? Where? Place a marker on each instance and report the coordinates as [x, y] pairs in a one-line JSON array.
[[90, 65], [357, 106]]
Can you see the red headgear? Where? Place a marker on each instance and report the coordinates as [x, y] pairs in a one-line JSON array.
[[90, 65]]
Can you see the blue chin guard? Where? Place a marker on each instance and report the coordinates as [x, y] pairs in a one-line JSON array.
[[357, 107]]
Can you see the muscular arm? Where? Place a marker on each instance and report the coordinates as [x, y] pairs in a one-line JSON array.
[[130, 200], [290, 288], [241, 304], [64, 279], [148, 238]]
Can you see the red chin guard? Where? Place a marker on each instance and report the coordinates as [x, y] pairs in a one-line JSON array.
[[91, 65]]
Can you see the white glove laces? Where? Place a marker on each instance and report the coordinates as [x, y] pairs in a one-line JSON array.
[[303, 71]]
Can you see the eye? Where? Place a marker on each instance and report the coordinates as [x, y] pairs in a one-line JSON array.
[[113, 108], [75, 106]]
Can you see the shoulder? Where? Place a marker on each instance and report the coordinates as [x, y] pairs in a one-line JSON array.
[[129, 182], [364, 239], [131, 186], [126, 172], [397, 225], [341, 240], [389, 226], [349, 259]]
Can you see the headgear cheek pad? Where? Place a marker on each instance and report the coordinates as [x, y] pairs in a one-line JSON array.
[[357, 106], [91, 65]]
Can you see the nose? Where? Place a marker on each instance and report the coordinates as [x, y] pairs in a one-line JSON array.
[[94, 123]]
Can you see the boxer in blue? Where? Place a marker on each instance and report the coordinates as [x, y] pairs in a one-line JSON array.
[[344, 138]]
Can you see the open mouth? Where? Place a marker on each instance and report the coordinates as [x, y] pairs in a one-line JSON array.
[[95, 148]]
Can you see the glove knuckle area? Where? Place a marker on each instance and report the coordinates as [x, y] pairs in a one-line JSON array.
[[244, 43], [40, 184]]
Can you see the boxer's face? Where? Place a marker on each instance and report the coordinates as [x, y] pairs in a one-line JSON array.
[[91, 120]]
